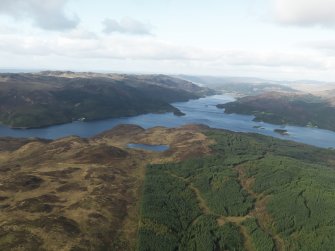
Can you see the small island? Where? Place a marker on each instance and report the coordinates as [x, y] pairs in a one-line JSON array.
[[178, 113], [281, 131]]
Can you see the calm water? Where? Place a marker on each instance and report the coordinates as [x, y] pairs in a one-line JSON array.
[[154, 148], [201, 111]]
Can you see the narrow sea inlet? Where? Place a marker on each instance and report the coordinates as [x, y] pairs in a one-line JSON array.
[[200, 111]]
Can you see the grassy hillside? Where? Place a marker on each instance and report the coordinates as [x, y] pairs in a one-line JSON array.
[[47, 98], [212, 190], [279, 108]]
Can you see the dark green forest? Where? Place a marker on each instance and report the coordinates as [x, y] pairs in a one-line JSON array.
[[251, 193]]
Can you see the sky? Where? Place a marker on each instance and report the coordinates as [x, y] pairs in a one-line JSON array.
[[274, 39]]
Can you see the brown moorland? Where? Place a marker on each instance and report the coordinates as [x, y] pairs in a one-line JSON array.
[[79, 194]]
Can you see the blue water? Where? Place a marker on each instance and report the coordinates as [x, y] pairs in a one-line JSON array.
[[154, 148], [201, 111]]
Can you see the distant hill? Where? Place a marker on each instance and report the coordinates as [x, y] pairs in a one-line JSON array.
[[240, 86], [283, 108], [313, 87], [54, 97], [329, 95]]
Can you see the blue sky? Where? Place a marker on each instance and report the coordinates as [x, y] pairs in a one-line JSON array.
[[277, 39]]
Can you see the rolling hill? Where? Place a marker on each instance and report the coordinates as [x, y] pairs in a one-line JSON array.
[[283, 108], [41, 99], [240, 86]]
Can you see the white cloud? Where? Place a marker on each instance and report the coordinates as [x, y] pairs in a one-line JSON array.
[[78, 50], [82, 33], [83, 45], [305, 12], [323, 45], [126, 25], [45, 14]]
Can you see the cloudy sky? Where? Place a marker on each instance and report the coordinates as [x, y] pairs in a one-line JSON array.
[[278, 39]]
